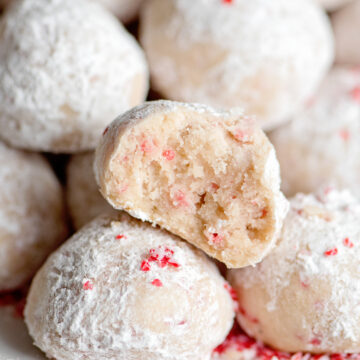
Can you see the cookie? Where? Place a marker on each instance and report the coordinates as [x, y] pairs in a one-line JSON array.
[[208, 176], [121, 289]]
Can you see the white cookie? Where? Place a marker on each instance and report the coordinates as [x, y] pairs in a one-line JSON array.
[[32, 221], [67, 68], [120, 289], [256, 54], [305, 295]]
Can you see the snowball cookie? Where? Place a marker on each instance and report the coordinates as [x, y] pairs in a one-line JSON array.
[[322, 143], [126, 10], [255, 54], [332, 4], [121, 289], [304, 296], [32, 220], [346, 24], [67, 68], [83, 197], [208, 176]]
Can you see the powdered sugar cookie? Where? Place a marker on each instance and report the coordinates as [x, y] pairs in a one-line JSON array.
[[346, 24], [83, 197], [255, 54], [31, 215], [76, 56], [121, 289], [304, 296], [332, 4], [126, 10], [208, 176], [321, 145]]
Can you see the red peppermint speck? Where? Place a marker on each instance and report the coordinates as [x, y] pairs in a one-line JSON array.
[[348, 243], [122, 188], [300, 212], [215, 187], [331, 252], [157, 283], [121, 236], [355, 93], [264, 212], [344, 134], [216, 238], [168, 154], [106, 130], [180, 198], [145, 266], [231, 291], [304, 284], [248, 316], [315, 341], [88, 285], [227, 1]]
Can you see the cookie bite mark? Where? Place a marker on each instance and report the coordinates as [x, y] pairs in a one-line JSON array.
[[209, 177]]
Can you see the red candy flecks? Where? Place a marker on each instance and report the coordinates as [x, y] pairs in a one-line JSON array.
[[238, 341], [355, 93], [157, 283], [162, 257], [120, 236], [348, 243], [315, 341], [168, 154], [227, 1], [88, 285], [344, 134], [216, 238], [179, 199], [331, 252], [105, 131]]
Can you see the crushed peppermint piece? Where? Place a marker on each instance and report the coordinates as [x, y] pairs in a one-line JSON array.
[[355, 93], [331, 252], [121, 236], [348, 243], [88, 285], [157, 283], [161, 256], [168, 154]]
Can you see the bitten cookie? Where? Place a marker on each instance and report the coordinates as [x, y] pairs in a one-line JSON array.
[[257, 54], [121, 289], [208, 176], [82, 194], [32, 220], [67, 68], [346, 24], [125, 10], [321, 145], [304, 296]]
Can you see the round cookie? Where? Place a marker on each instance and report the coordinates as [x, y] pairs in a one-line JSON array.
[[321, 145], [257, 54], [121, 289], [32, 220], [208, 176], [332, 5], [346, 24], [67, 68], [126, 10], [304, 296], [83, 197]]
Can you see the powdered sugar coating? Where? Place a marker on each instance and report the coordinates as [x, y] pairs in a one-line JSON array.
[[254, 54], [32, 220], [126, 10], [346, 24], [332, 4], [304, 296], [83, 197], [101, 296], [321, 145], [67, 68]]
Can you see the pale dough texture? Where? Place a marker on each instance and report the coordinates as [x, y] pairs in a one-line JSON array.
[[121, 289], [67, 69], [208, 176], [32, 220], [346, 24], [125, 10], [258, 54], [82, 194], [304, 296], [322, 143]]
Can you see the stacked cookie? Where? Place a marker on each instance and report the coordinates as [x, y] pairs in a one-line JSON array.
[[179, 189]]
